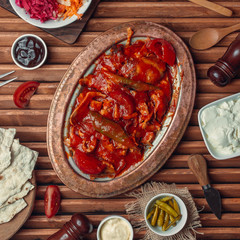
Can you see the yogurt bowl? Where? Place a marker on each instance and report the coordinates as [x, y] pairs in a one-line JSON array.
[[115, 227], [219, 123]]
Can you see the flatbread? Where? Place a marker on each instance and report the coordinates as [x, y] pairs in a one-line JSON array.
[[8, 212], [6, 140], [7, 136], [15, 176], [24, 191]]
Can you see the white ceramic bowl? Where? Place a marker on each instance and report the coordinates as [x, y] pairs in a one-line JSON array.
[[49, 23], [112, 217], [13, 55], [172, 230], [211, 150]]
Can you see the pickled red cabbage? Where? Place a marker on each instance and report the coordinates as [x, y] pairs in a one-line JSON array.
[[42, 10]]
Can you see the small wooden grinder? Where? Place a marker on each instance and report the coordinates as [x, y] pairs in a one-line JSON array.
[[75, 229], [228, 66]]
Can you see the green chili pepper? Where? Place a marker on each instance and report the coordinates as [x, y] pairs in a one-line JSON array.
[[164, 206], [111, 129], [136, 85], [166, 221], [150, 214], [176, 207], [161, 218], [170, 202], [173, 222], [155, 216], [165, 199]]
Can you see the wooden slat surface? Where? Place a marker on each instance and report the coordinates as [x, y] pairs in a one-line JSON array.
[[182, 17]]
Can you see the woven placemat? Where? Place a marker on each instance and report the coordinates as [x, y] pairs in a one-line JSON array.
[[148, 191]]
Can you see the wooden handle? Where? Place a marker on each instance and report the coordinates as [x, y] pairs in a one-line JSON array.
[[198, 166], [230, 29], [214, 7]]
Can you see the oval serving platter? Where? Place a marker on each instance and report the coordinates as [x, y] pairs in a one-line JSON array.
[[166, 140]]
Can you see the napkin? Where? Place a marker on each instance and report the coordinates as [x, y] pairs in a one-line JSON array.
[[136, 209]]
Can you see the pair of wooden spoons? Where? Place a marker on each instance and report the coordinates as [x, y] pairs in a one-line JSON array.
[[208, 37]]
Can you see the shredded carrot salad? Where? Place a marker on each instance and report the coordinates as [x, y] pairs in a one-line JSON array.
[[69, 11]]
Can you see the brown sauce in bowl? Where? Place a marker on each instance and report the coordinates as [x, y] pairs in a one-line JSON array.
[[29, 51]]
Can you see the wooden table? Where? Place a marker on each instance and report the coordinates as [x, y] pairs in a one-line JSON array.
[[182, 17]]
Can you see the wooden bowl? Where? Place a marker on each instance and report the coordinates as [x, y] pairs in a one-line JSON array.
[[163, 146]]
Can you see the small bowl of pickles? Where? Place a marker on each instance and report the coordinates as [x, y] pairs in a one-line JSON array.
[[165, 214]]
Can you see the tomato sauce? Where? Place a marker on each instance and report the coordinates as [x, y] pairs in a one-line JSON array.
[[121, 108]]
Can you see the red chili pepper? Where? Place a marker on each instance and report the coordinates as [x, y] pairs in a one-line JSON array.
[[163, 50], [88, 163], [111, 129]]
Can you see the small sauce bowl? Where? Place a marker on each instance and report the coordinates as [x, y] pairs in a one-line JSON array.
[[106, 221], [29, 52], [172, 230]]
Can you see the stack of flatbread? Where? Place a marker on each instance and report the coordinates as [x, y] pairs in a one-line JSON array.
[[16, 165]]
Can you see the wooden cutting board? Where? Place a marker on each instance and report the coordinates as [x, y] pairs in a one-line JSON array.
[[69, 33], [7, 230]]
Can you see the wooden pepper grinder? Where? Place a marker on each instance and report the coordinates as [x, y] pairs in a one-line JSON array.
[[75, 229], [228, 66]]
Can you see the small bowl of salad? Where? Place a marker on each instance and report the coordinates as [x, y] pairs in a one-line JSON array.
[[50, 13]]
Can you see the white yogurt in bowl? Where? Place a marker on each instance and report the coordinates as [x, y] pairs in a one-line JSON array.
[[219, 123], [115, 228]]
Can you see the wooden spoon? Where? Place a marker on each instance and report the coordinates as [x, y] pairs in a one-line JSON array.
[[208, 37], [214, 7]]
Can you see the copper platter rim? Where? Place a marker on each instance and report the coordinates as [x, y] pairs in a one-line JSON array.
[[65, 91]]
